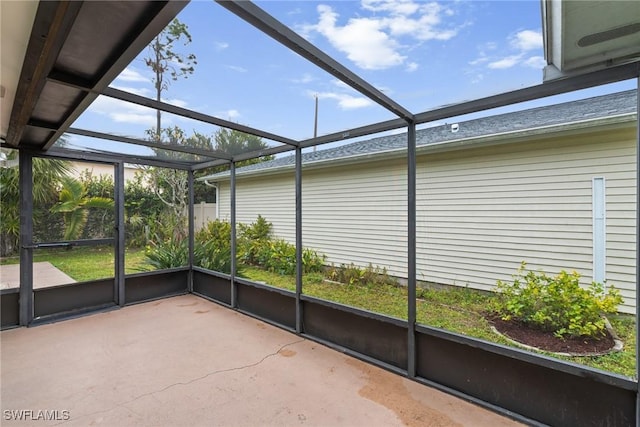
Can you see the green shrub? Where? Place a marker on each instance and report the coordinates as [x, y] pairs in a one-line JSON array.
[[312, 261], [260, 229], [257, 247], [211, 256], [170, 253], [145, 214], [351, 274], [558, 304], [279, 256], [212, 248], [253, 239]]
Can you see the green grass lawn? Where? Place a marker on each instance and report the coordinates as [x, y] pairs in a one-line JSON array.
[[86, 263], [456, 309]]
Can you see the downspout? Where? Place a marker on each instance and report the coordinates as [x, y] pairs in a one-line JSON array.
[[214, 185]]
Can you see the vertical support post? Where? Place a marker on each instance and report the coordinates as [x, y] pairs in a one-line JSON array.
[[299, 265], [234, 289], [411, 249], [26, 238], [637, 247], [119, 291], [191, 211]]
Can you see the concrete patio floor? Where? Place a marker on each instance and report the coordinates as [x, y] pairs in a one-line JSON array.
[[185, 361]]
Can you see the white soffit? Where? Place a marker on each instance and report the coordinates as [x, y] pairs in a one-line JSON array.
[[16, 21], [583, 36]]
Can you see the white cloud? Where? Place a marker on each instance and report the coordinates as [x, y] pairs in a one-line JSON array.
[[361, 39], [503, 63], [306, 78], [536, 62], [521, 44], [345, 101], [176, 102], [339, 83], [131, 75], [479, 60], [237, 68], [220, 45], [123, 112], [412, 66], [143, 91], [396, 7], [134, 118], [425, 26], [231, 114], [373, 42], [527, 40]]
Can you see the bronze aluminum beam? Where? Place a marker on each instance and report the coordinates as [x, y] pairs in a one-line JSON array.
[[556, 87], [283, 34], [163, 14], [53, 21]]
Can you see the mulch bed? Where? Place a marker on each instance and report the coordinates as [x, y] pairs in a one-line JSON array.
[[544, 340]]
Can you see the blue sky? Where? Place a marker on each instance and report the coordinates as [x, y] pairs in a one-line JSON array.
[[422, 54]]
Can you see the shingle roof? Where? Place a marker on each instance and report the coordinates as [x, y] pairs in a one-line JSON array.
[[559, 114]]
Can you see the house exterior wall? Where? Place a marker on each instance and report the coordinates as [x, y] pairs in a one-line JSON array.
[[480, 211], [369, 228], [97, 169]]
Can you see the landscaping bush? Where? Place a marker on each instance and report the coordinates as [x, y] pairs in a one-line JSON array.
[[558, 304], [253, 239], [260, 229], [211, 256], [100, 222], [279, 256], [257, 247], [213, 246], [351, 274], [144, 212], [212, 250], [170, 253]]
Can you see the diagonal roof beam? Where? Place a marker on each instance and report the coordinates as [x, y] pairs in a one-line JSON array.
[[53, 22], [283, 34], [108, 157], [212, 163], [155, 22], [162, 146], [184, 112], [260, 153], [554, 87], [354, 133], [77, 83]]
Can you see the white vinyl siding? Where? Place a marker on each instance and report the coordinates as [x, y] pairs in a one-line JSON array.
[[480, 211], [358, 213], [273, 197], [483, 211], [368, 228]]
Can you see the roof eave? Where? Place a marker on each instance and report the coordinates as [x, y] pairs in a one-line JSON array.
[[511, 137]]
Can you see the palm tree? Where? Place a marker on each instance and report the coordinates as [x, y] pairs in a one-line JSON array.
[[74, 206], [47, 174]]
